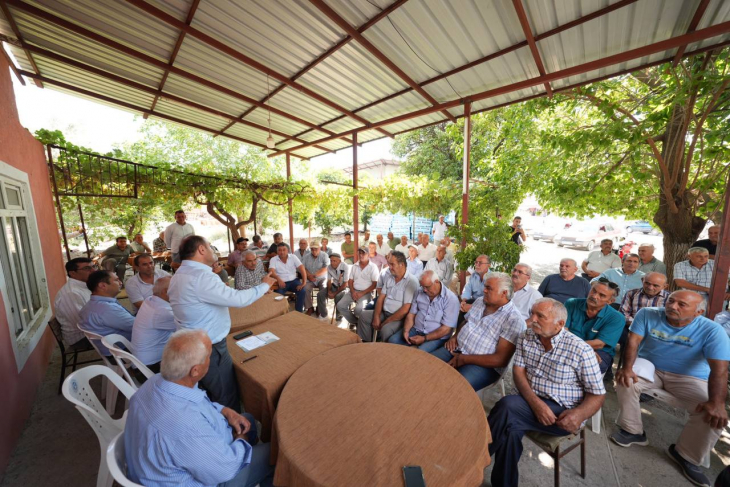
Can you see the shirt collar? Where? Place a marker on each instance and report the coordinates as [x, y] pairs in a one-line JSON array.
[[195, 264], [192, 394], [77, 283], [103, 298]]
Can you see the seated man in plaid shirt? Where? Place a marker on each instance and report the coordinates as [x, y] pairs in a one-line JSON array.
[[251, 272], [559, 386], [652, 294]]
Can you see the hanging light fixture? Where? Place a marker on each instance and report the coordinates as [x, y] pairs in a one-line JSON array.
[[269, 140]]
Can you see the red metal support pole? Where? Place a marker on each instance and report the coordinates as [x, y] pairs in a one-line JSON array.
[[355, 198], [58, 202], [465, 185], [291, 222], [718, 288]]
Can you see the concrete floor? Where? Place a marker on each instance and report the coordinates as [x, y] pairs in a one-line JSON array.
[[59, 448]]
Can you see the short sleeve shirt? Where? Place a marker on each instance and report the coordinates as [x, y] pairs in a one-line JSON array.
[[699, 277], [287, 271], [114, 252], [680, 350], [340, 275], [553, 286], [363, 278], [158, 245], [399, 293], [314, 264], [606, 326], [597, 261], [432, 314]]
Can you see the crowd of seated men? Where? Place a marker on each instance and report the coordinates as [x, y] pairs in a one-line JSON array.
[[560, 340]]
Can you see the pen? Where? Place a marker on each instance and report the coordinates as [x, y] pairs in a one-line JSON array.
[[250, 358]]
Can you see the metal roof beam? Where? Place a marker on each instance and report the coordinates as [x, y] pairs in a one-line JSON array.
[[527, 30], [671, 43], [489, 57], [216, 44], [13, 67], [175, 50], [136, 108], [47, 16], [344, 41], [344, 25], [16, 31], [692, 26], [158, 93]]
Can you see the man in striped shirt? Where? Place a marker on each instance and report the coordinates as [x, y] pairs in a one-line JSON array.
[[559, 387], [175, 435]]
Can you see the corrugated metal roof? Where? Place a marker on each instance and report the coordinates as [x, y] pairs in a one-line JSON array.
[[438, 44]]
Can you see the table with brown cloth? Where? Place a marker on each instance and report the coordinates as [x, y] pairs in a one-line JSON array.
[[263, 309], [261, 380], [357, 415]]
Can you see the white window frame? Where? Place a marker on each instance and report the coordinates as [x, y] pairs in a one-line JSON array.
[[24, 344]]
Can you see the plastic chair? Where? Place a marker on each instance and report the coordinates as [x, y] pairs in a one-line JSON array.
[[482, 393], [117, 462], [125, 358], [66, 352], [107, 389], [77, 390]]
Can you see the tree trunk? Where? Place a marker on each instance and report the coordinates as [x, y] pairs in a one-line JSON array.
[[680, 228]]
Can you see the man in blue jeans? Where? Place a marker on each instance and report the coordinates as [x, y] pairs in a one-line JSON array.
[[484, 343], [432, 316], [175, 435], [284, 268], [559, 384]]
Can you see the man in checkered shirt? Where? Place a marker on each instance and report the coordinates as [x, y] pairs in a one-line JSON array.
[[559, 387], [484, 343], [695, 273]]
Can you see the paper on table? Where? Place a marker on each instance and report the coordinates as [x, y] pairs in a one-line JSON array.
[[644, 369], [257, 341]]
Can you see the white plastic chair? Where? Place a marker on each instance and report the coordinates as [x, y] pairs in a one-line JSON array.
[[482, 393], [107, 389], [596, 418], [117, 462], [125, 358], [77, 390]]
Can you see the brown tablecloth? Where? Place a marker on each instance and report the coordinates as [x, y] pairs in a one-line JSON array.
[[261, 380], [356, 415], [262, 310]]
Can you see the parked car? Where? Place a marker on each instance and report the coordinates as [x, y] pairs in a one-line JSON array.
[[550, 232], [642, 226], [588, 235]]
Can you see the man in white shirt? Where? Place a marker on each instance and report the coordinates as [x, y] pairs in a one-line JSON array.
[[441, 265], [153, 326], [381, 247], [284, 268], [449, 248], [426, 250], [337, 275], [361, 283], [600, 261], [200, 300], [439, 229], [139, 286], [525, 295], [175, 233], [72, 297], [403, 245]]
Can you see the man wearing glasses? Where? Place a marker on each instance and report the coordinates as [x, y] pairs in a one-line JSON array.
[[596, 322], [474, 288], [525, 295], [72, 297]]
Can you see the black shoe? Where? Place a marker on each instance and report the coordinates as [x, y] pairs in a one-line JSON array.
[[692, 472], [626, 439]]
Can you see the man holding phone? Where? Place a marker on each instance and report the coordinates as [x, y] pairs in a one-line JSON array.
[[518, 234]]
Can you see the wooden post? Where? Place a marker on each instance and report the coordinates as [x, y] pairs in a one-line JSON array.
[[465, 185], [83, 229], [718, 288], [355, 199], [291, 222]]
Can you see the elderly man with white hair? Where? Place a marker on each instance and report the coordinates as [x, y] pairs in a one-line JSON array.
[[402, 247], [315, 262], [525, 295], [175, 435], [649, 263], [483, 345], [153, 325], [695, 273], [566, 284], [676, 350], [432, 316], [558, 387]]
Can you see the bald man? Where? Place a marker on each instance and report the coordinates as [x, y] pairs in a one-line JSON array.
[[710, 243]]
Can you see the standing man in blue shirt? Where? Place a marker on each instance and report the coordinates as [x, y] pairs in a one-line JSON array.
[[200, 300], [596, 322], [690, 356], [103, 314], [175, 435]]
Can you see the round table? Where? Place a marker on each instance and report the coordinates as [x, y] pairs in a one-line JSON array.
[[357, 414]]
